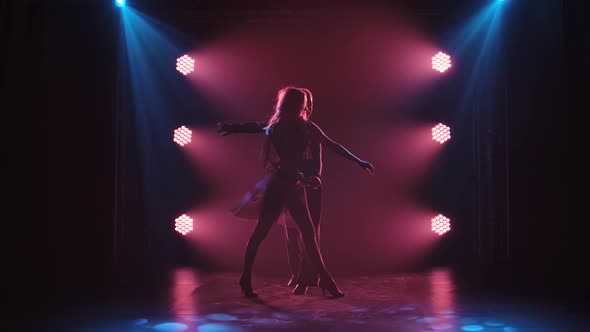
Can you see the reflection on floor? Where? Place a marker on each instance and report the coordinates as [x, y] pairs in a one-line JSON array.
[[407, 303]]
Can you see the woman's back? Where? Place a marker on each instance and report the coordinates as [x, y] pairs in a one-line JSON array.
[[291, 139]]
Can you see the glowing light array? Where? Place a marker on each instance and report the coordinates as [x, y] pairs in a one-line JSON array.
[[441, 133], [441, 62], [441, 224], [182, 135], [184, 224], [185, 64]]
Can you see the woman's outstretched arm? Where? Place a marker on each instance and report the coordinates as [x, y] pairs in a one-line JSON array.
[[226, 128], [322, 138]]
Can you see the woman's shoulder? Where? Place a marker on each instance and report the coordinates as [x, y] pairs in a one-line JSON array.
[[313, 128]]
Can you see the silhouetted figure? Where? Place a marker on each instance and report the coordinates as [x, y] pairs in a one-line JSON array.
[[289, 136], [299, 262]]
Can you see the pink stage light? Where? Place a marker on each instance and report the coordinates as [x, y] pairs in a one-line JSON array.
[[441, 62], [441, 224], [185, 64], [182, 135], [184, 224], [441, 133]]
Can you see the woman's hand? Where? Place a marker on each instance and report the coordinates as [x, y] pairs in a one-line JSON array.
[[366, 166], [225, 128]]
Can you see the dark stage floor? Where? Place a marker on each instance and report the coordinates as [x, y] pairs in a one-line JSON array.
[[401, 302]]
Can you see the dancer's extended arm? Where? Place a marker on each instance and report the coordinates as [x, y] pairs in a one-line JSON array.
[[322, 138], [226, 128]]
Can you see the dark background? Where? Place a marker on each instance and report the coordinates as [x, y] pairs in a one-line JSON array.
[[62, 62]]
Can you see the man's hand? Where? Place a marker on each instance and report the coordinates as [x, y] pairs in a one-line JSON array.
[[310, 181], [313, 182]]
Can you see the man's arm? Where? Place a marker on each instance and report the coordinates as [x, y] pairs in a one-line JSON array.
[[311, 170], [316, 158]]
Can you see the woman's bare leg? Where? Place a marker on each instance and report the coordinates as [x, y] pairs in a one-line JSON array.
[[296, 203], [314, 205], [271, 208]]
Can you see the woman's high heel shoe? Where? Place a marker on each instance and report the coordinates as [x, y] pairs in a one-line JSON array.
[[331, 287], [292, 282], [300, 289], [315, 281], [246, 285]]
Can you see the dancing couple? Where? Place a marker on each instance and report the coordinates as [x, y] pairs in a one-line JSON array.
[[292, 155]]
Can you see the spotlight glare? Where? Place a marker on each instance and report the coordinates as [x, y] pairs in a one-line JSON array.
[[441, 62], [182, 136], [183, 224], [441, 133], [440, 224], [120, 3], [185, 64]]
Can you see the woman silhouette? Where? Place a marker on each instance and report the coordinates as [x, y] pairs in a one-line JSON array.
[[289, 135], [299, 262]]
